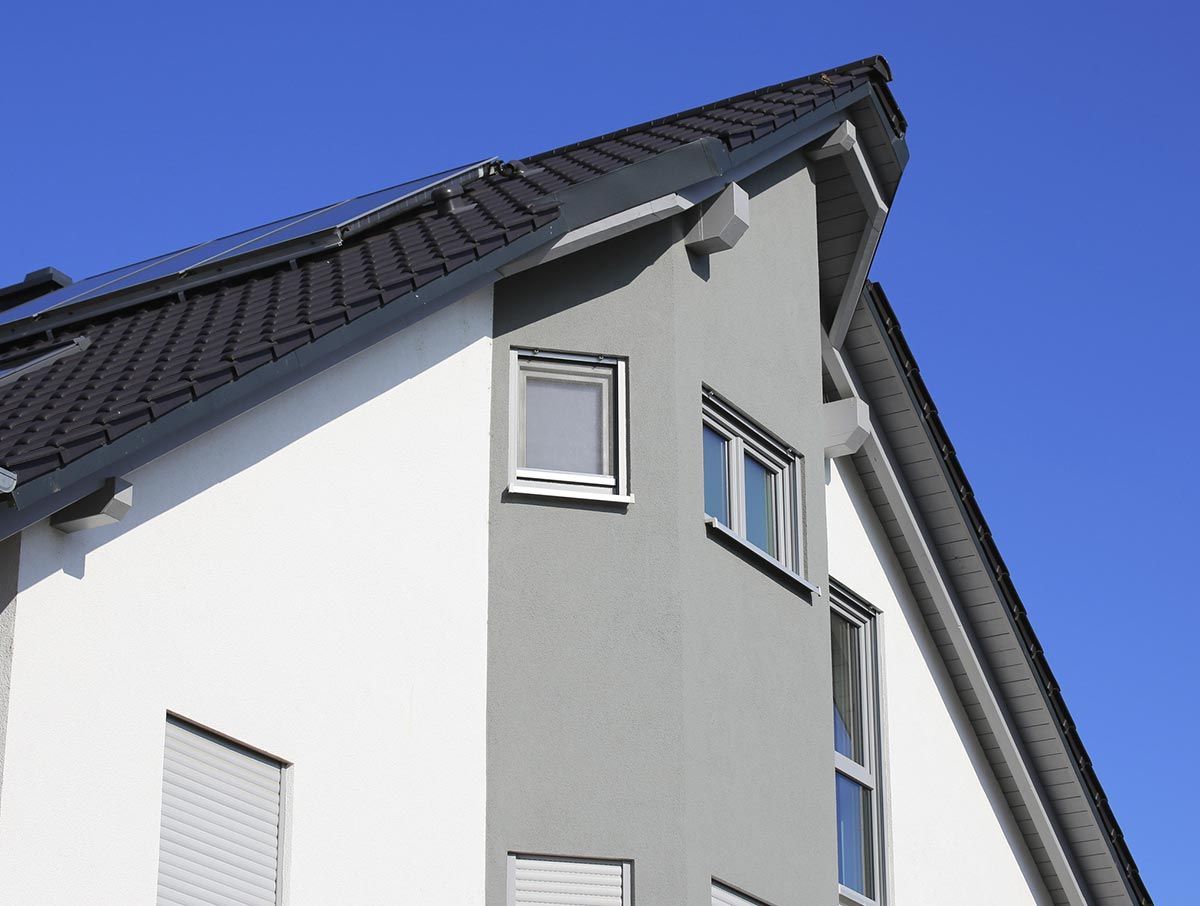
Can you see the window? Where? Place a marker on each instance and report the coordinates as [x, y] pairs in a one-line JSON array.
[[222, 811], [567, 427], [752, 483], [554, 881], [856, 755]]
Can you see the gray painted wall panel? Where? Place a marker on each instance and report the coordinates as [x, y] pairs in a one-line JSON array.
[[10, 559], [698, 743]]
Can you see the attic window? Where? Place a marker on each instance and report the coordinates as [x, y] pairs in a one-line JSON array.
[[567, 426], [16, 366]]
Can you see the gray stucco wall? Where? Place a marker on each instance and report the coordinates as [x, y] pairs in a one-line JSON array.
[[10, 561], [651, 695]]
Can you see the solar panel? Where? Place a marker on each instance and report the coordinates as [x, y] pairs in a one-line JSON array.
[[320, 226]]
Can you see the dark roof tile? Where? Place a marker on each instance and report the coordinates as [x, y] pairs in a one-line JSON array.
[[149, 359]]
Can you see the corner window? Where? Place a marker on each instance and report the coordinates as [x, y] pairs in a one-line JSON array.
[[856, 748], [567, 426], [752, 483]]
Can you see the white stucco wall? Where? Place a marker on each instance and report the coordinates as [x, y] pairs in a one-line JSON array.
[[952, 837], [310, 578]]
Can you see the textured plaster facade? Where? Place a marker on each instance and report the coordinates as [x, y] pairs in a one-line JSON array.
[[652, 695], [338, 624], [952, 836]]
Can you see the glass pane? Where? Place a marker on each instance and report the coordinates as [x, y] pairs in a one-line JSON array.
[[847, 688], [716, 476], [856, 868], [564, 425], [760, 506]]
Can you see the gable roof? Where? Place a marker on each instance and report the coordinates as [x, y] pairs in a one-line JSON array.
[[147, 358], [985, 601], [102, 387]]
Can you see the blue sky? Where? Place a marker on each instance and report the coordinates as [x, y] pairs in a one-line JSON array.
[[1029, 254]]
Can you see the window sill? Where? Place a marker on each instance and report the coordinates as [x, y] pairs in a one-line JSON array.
[[720, 533], [520, 490], [848, 897]]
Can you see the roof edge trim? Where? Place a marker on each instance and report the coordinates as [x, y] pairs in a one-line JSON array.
[[877, 302], [882, 72]]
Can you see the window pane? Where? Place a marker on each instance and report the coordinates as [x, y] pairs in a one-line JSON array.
[[856, 868], [564, 425], [716, 476], [760, 506], [847, 688]]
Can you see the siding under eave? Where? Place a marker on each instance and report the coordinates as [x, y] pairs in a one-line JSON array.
[[975, 578]]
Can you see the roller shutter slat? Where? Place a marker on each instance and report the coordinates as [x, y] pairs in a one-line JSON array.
[[219, 837], [552, 882]]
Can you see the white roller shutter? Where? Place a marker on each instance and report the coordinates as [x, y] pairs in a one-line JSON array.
[[219, 839], [562, 882], [723, 896]]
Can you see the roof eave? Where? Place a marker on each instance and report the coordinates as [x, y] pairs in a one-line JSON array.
[[35, 500]]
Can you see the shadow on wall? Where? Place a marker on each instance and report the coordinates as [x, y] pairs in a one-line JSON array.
[[253, 436], [581, 277], [932, 658]]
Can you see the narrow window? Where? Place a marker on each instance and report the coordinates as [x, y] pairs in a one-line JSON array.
[[752, 483], [856, 729], [760, 505], [222, 809], [847, 688], [568, 425], [716, 476], [555, 881]]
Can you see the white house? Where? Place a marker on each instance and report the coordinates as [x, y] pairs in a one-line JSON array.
[[571, 530]]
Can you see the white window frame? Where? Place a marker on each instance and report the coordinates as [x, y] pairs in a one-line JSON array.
[[609, 486], [745, 437], [865, 617]]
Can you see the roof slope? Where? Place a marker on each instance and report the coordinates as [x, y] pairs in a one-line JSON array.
[[988, 603], [149, 359]]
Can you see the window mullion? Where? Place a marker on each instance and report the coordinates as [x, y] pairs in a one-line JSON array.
[[737, 482]]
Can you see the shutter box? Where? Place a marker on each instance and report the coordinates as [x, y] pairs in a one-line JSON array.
[[554, 881]]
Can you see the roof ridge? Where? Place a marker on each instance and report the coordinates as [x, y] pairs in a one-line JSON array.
[[875, 67]]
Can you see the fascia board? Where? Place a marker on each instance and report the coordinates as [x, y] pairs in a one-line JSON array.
[[963, 641], [44, 496]]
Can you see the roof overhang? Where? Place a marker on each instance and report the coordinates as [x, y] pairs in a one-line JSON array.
[[589, 212], [976, 618]]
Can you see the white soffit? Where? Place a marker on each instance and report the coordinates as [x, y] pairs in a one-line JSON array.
[[961, 640]]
